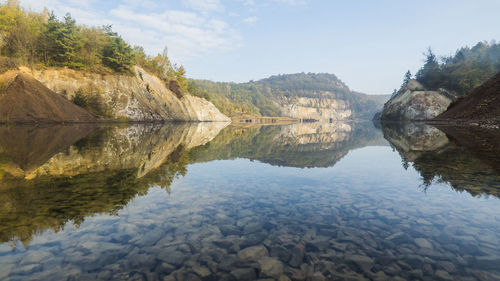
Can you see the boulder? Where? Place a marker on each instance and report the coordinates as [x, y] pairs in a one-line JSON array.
[[414, 103]]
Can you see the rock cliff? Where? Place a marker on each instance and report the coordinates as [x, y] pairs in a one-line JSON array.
[[413, 102], [321, 109], [310, 96], [137, 97]]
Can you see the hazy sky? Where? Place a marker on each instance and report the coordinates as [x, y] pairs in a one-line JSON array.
[[369, 44]]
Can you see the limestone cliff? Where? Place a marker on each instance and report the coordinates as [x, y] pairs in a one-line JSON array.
[[321, 109], [137, 97], [311, 96], [413, 102]]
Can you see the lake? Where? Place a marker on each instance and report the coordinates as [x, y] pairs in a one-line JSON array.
[[212, 201]]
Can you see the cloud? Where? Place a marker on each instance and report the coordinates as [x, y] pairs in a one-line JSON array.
[[292, 2], [250, 20], [188, 32], [205, 6]]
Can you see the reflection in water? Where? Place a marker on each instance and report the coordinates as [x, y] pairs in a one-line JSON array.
[[297, 145], [149, 202], [437, 154], [98, 174]]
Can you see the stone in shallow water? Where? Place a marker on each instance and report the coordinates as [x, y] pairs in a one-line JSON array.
[[270, 267], [202, 271], [450, 267], [487, 262], [363, 262], [228, 263], [443, 275], [173, 257], [27, 269], [297, 256], [254, 253], [244, 274], [36, 257], [228, 229], [317, 277], [281, 253], [423, 243]]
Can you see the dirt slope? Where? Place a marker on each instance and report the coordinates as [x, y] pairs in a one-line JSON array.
[[481, 104], [25, 100]]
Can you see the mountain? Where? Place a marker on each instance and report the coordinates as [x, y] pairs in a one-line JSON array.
[[480, 105], [303, 95]]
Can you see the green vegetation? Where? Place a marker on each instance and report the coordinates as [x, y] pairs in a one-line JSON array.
[[263, 97], [42, 40], [462, 72]]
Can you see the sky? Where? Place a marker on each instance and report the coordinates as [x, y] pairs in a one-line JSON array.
[[368, 44]]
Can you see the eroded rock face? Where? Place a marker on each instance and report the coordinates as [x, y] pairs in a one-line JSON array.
[[415, 103], [321, 109], [138, 97]]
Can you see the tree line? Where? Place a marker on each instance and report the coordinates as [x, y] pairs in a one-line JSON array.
[[41, 39], [461, 72]]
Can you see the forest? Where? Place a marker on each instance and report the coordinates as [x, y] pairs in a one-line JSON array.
[[463, 71]]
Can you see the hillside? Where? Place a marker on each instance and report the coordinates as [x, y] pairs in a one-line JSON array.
[[481, 104], [302, 95], [55, 95], [81, 68], [440, 82], [26, 100]]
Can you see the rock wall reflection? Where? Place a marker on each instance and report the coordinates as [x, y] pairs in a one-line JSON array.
[[55, 174], [466, 158], [297, 145]]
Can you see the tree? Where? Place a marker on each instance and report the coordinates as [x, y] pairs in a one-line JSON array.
[[63, 42], [118, 55], [429, 74], [180, 76], [406, 79]]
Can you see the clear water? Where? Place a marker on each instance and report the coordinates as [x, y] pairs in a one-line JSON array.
[[342, 201]]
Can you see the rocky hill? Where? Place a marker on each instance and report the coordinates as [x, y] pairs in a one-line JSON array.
[[440, 82], [480, 105], [310, 96], [414, 102], [52, 95]]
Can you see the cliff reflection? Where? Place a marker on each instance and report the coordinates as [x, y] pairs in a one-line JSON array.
[[297, 145], [46, 181], [463, 157]]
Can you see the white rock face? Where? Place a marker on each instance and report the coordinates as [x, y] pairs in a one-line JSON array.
[[138, 97], [321, 109], [415, 103]]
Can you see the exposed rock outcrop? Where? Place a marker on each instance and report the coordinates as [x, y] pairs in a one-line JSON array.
[[413, 102], [25, 100], [321, 109], [480, 105], [138, 97]]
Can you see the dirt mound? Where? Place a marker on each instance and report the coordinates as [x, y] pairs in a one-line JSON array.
[[25, 100], [481, 104]]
